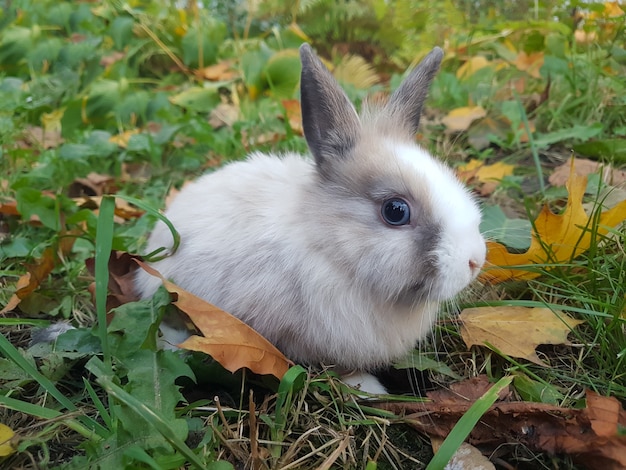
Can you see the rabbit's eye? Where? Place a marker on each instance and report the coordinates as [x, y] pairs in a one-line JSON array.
[[396, 212]]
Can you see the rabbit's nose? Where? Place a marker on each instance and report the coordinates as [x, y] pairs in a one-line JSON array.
[[475, 265]]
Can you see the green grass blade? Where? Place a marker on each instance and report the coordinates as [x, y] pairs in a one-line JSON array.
[[104, 243], [465, 425], [13, 354], [151, 210], [46, 413], [106, 417]]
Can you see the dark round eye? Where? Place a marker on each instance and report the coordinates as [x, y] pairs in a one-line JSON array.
[[396, 211]]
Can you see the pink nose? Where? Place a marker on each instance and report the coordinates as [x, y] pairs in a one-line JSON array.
[[474, 265]]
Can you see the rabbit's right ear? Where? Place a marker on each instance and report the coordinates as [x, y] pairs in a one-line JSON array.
[[330, 122]]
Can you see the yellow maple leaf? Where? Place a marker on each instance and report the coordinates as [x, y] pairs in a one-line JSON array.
[[555, 239], [6, 441], [485, 173], [612, 10], [470, 67], [459, 119], [515, 331]]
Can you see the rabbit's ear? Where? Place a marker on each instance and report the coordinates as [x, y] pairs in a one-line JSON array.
[[330, 122], [406, 102]]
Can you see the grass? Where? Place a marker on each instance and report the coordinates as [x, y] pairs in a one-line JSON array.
[[122, 91]]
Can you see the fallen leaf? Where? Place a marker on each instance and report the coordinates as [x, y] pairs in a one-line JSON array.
[[121, 140], [6, 436], [226, 339], [123, 209], [539, 426], [612, 10], [294, 115], [471, 66], [112, 58], [224, 114], [555, 238], [585, 167], [94, 184], [460, 119], [488, 176], [530, 63], [221, 71], [37, 272], [121, 285], [46, 139], [515, 331]]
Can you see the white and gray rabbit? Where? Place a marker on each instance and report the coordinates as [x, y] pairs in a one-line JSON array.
[[342, 259]]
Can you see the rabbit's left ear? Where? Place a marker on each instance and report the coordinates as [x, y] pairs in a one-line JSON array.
[[407, 101], [330, 122]]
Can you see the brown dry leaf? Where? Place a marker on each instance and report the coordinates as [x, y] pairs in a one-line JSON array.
[[112, 58], [40, 270], [515, 331], [530, 63], [226, 339], [538, 426], [470, 67], [47, 139], [221, 71], [585, 167], [294, 115], [460, 119], [123, 209], [94, 184], [556, 238], [122, 267], [224, 114]]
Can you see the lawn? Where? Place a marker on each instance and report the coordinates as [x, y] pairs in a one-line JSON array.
[[108, 108]]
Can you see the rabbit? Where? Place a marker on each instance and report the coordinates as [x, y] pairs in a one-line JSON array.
[[341, 259]]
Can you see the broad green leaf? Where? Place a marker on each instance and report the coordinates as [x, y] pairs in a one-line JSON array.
[[252, 64], [282, 73], [421, 362], [612, 149], [31, 202], [578, 132], [514, 233], [200, 99], [532, 390], [200, 45], [121, 31]]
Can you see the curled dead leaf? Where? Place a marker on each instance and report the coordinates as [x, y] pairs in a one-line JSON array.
[[539, 426], [226, 339]]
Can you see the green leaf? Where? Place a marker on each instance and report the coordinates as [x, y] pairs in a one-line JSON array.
[[252, 65], [31, 202], [282, 73], [514, 233], [203, 43], [578, 132], [121, 31], [197, 98], [420, 361], [612, 149], [531, 390]]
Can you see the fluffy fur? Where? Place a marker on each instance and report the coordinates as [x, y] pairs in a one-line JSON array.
[[298, 249]]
